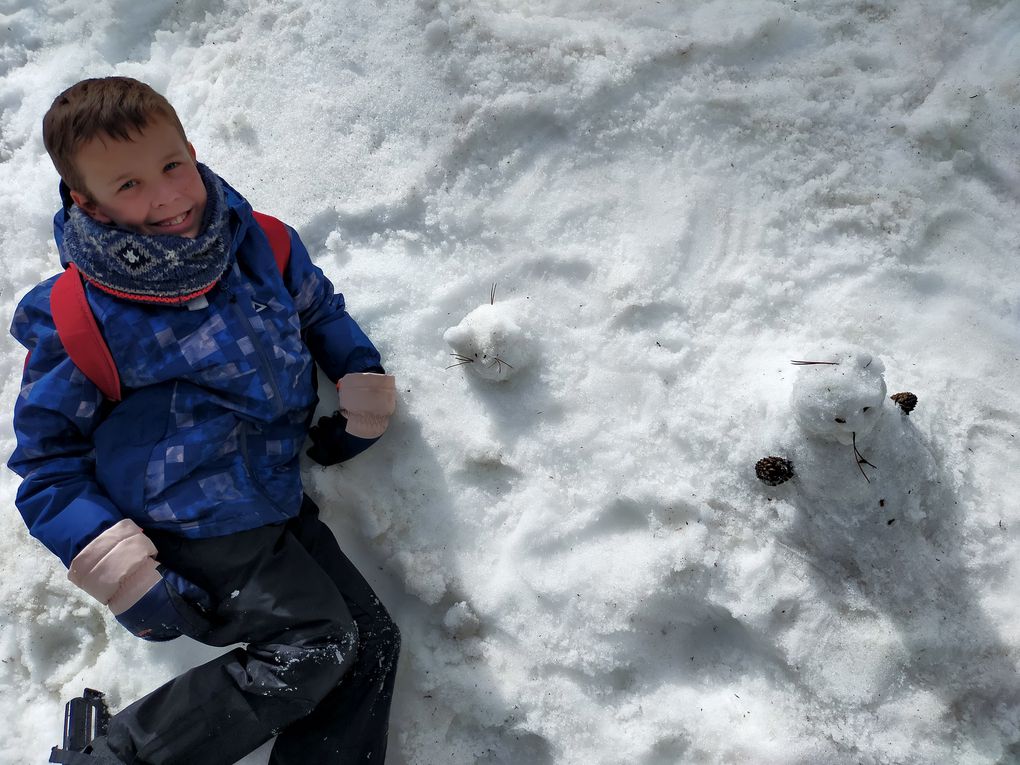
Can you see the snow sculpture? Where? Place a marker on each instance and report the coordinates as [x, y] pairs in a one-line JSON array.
[[489, 341], [873, 515], [842, 400]]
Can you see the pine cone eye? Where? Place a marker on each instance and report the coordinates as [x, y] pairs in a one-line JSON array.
[[773, 470]]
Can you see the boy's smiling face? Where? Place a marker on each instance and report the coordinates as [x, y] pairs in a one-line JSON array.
[[149, 185]]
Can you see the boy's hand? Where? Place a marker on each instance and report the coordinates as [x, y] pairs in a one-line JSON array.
[[171, 608], [118, 567], [367, 400], [332, 443]]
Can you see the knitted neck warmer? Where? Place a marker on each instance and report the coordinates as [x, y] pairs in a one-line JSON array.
[[153, 268]]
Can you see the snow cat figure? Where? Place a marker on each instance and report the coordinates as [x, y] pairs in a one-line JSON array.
[[840, 400]]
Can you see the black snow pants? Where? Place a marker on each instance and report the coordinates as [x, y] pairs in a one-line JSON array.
[[317, 670]]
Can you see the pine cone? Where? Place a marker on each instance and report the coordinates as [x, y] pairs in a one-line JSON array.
[[907, 401], [774, 470]]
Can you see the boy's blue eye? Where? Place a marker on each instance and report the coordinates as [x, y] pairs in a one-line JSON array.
[[171, 166], [126, 185]]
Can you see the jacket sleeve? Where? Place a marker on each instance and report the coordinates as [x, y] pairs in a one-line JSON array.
[[55, 416], [337, 343]]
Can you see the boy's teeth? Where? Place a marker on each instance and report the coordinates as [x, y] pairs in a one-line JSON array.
[[174, 221]]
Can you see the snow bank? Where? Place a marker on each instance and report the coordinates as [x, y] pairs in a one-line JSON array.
[[678, 201]]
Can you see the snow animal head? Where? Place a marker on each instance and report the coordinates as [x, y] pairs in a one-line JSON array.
[[837, 397], [490, 342]]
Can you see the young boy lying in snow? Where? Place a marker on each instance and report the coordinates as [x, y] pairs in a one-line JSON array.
[[181, 506]]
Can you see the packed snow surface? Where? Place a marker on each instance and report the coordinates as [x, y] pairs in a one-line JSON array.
[[675, 200]]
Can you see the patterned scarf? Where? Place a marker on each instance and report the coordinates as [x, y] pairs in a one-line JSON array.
[[153, 268]]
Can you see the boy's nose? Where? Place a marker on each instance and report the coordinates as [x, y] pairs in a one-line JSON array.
[[165, 193]]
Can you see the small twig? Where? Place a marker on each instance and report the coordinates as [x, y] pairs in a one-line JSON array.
[[860, 459], [492, 294], [806, 363]]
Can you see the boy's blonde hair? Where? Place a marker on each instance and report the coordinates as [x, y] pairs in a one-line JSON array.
[[116, 107]]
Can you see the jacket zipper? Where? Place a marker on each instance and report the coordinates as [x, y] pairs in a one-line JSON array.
[[267, 371]]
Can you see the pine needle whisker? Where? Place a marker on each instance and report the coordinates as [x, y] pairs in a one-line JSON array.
[[860, 459], [499, 364]]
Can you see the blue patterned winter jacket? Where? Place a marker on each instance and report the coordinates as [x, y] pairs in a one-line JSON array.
[[216, 405]]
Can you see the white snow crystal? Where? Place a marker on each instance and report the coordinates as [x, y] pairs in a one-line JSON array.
[[461, 621]]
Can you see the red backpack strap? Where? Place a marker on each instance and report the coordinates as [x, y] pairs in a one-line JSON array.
[[80, 335], [278, 236]]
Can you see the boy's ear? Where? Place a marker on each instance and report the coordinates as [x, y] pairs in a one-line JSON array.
[[91, 208], [191, 151]]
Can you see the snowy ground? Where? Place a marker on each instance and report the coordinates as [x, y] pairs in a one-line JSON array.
[[674, 200]]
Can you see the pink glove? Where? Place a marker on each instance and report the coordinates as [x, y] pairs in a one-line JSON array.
[[117, 567], [367, 400]]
